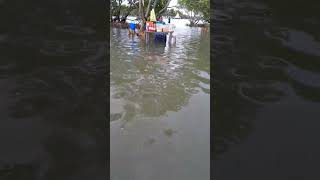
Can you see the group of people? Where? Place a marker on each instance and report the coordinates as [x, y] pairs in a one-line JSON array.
[[134, 29], [134, 26]]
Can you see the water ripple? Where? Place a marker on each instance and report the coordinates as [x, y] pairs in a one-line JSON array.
[[159, 78]]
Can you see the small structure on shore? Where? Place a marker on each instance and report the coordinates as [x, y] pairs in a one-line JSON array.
[[177, 16]]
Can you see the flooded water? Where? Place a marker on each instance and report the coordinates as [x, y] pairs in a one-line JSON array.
[[160, 107], [267, 90], [52, 91]]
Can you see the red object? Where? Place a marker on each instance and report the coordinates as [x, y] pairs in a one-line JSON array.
[[150, 26]]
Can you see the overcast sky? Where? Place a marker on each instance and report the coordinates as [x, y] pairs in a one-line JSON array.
[[173, 3]]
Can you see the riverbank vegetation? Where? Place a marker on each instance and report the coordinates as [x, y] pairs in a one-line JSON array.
[[198, 10]]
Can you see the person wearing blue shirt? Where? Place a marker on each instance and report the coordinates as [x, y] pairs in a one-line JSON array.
[[132, 27]]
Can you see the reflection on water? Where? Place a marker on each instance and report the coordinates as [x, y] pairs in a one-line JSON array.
[[267, 84], [160, 107], [52, 91]]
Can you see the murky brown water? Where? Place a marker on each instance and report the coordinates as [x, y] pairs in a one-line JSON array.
[[160, 107]]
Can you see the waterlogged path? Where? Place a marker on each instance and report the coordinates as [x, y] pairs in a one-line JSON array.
[[160, 107]]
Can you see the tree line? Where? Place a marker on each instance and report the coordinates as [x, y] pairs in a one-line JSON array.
[[199, 9]]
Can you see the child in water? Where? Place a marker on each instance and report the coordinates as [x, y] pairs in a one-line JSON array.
[[138, 26], [139, 32], [132, 28]]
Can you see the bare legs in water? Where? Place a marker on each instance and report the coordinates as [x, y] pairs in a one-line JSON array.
[[172, 39]]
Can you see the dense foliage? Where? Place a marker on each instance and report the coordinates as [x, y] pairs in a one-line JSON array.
[[119, 8], [140, 8], [199, 9]]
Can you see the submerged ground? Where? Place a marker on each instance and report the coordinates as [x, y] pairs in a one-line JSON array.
[[160, 107]]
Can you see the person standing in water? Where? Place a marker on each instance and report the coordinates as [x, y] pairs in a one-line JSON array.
[[161, 20], [132, 28]]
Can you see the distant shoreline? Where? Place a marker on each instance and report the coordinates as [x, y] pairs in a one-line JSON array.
[[177, 22]]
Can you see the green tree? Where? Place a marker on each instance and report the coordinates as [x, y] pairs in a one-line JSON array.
[[117, 8], [140, 8], [205, 10], [197, 8], [171, 13], [145, 6]]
